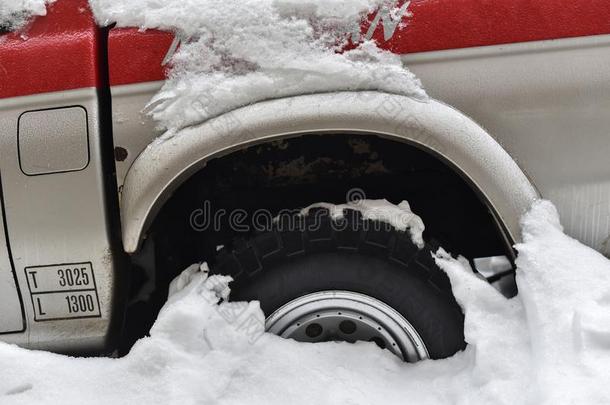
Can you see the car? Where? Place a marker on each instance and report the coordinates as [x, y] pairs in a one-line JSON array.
[[99, 214]]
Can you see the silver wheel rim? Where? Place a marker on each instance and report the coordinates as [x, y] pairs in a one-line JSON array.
[[347, 316]]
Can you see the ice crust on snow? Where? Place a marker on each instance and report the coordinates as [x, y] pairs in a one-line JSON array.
[[399, 216], [14, 14], [548, 345], [235, 53]]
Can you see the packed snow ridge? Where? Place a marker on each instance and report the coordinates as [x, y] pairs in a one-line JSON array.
[[235, 53], [548, 345], [14, 14], [399, 216]]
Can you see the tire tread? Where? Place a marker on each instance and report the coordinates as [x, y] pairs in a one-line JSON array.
[[349, 233]]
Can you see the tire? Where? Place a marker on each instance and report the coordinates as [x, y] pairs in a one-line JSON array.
[[363, 256]]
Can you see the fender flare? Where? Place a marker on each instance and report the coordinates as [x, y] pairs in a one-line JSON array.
[[430, 125]]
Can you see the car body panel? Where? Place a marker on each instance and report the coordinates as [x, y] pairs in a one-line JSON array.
[[54, 190], [10, 299], [56, 52], [56, 221], [547, 104], [136, 56], [454, 24]]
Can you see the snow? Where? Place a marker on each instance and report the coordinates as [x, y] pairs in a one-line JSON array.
[[399, 216], [14, 14], [548, 345], [235, 53]]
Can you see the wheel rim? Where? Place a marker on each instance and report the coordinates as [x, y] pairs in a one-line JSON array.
[[347, 316]]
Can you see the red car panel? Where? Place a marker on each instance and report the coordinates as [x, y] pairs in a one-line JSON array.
[[59, 51], [136, 56], [452, 24]]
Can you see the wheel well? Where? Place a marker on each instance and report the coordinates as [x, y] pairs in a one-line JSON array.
[[294, 173]]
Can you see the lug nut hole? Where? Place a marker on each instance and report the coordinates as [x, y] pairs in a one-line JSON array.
[[347, 327], [313, 330]]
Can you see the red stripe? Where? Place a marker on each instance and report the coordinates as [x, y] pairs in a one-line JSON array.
[[452, 24], [58, 52], [435, 25], [136, 56]]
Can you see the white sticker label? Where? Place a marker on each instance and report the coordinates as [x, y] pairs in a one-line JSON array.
[[64, 277], [63, 291], [61, 305]]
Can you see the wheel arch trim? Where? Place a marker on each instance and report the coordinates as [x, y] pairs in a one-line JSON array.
[[430, 125]]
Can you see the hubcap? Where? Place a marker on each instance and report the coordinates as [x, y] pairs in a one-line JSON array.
[[347, 316]]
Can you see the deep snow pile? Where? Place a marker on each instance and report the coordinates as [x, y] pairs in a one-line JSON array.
[[548, 345], [14, 14], [236, 52]]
